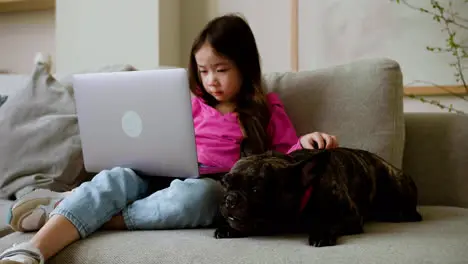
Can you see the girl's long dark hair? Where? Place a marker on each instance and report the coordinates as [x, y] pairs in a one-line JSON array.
[[231, 36]]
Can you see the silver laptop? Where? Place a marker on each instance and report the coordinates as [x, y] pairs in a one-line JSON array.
[[138, 119]]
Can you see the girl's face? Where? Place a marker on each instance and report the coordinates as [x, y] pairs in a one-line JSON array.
[[220, 77]]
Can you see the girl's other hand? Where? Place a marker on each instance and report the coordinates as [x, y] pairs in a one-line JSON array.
[[322, 140]]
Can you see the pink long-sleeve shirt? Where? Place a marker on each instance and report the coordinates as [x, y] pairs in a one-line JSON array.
[[219, 136]]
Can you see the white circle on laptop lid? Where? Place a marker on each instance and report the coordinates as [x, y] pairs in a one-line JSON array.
[[132, 124]]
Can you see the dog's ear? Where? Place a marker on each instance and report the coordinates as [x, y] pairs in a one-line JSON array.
[[309, 165], [227, 180], [280, 155], [267, 169]]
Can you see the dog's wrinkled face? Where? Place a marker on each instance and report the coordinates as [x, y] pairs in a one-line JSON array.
[[253, 190]]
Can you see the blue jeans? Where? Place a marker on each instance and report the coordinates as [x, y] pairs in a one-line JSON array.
[[187, 203]]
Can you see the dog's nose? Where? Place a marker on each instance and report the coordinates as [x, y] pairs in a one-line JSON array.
[[231, 200]]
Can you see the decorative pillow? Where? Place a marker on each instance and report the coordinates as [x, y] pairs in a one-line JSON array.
[[40, 146]]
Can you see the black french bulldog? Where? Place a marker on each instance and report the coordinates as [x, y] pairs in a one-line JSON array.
[[324, 193]]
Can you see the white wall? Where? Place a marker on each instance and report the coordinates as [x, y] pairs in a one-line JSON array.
[[84, 43], [270, 22], [414, 105], [169, 32], [337, 31], [194, 15], [93, 33], [357, 29], [24, 34], [331, 32]]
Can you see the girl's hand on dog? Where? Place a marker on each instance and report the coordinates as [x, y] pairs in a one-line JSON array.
[[318, 140]]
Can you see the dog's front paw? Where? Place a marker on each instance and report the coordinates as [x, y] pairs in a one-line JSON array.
[[226, 232], [222, 232], [322, 240]]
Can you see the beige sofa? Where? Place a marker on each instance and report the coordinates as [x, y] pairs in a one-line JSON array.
[[360, 102]]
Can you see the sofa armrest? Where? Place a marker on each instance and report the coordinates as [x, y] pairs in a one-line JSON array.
[[436, 156]]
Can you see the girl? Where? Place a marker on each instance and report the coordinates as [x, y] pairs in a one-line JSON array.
[[232, 116]]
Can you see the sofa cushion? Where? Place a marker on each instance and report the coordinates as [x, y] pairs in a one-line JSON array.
[[360, 102], [440, 239]]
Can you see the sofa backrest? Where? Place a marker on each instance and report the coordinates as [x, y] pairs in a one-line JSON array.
[[360, 102]]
